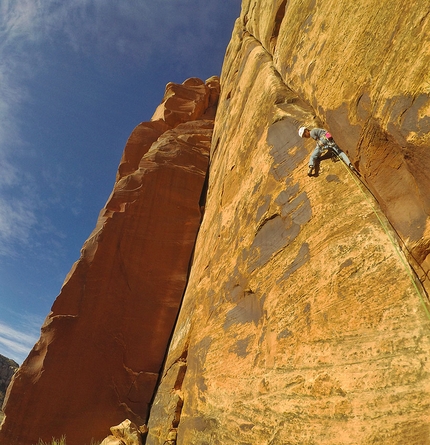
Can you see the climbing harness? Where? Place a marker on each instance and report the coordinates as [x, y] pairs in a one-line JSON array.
[[392, 241]]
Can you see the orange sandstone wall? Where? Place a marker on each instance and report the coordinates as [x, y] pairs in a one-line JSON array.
[[303, 322], [363, 67]]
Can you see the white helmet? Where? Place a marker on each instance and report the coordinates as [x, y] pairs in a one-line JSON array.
[[301, 131]]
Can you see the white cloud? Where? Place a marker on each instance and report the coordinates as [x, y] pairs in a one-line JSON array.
[[16, 220], [11, 96], [109, 28], [16, 343], [103, 29], [15, 347], [18, 17]]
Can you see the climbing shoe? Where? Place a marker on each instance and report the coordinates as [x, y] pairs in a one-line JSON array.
[[310, 170], [353, 169]]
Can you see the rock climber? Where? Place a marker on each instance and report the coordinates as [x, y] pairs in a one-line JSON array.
[[324, 142]]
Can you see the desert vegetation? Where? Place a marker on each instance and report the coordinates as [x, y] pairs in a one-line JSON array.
[[61, 441]]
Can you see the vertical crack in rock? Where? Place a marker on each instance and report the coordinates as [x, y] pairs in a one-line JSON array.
[[173, 401], [203, 196], [277, 25]]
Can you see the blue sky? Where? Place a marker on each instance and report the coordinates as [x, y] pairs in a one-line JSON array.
[[75, 78]]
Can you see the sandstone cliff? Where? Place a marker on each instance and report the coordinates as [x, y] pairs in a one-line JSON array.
[[303, 322], [305, 318]]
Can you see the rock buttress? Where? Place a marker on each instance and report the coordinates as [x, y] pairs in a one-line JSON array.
[[102, 346], [301, 322]]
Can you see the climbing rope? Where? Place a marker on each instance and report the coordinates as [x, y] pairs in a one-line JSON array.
[[391, 238]]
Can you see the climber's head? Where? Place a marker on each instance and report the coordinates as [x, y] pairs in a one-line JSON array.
[[304, 132]]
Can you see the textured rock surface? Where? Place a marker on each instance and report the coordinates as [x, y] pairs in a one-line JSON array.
[[102, 346], [8, 368], [363, 66], [302, 322], [125, 433]]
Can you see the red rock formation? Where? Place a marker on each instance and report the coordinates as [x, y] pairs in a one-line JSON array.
[[102, 346]]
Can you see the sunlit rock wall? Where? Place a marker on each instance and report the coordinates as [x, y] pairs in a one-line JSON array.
[[303, 322], [363, 67]]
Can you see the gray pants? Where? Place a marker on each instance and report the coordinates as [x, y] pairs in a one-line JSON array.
[[332, 147]]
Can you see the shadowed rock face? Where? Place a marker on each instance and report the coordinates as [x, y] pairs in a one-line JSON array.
[[302, 322], [7, 369], [102, 346]]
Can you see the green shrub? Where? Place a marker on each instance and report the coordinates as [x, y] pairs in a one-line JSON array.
[[62, 441]]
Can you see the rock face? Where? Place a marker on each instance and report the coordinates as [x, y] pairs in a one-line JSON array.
[[305, 318], [303, 322], [8, 368], [363, 67], [102, 347], [126, 433]]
